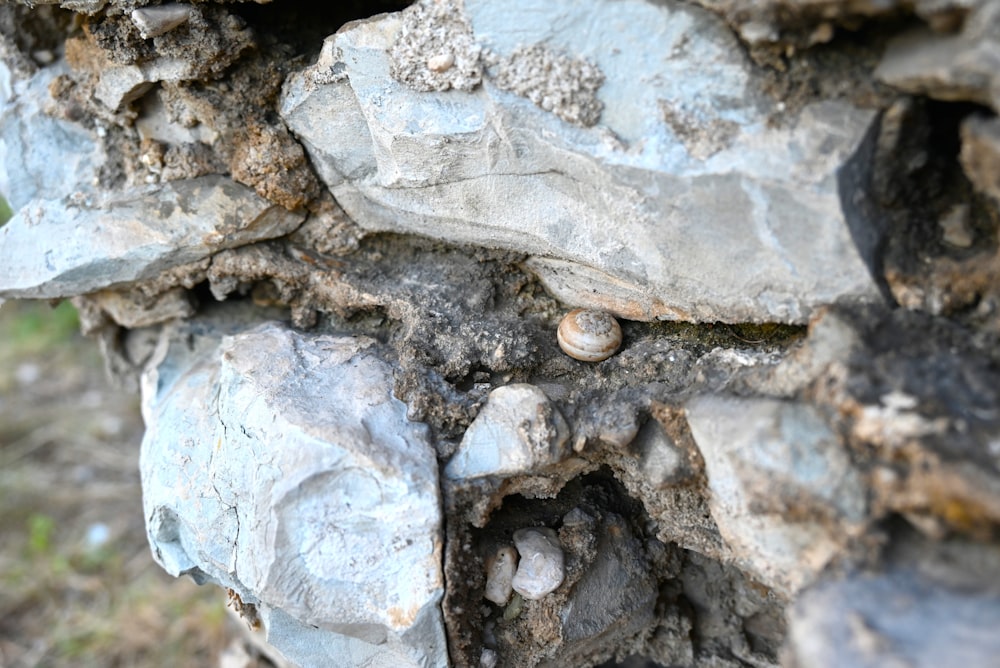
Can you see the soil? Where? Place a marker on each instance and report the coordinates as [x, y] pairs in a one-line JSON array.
[[79, 585]]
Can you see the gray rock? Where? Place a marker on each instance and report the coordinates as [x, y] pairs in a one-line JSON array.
[[687, 157], [782, 489], [540, 570], [518, 431], [130, 236], [118, 85], [661, 461], [42, 156], [280, 465], [615, 597], [961, 66], [935, 612]]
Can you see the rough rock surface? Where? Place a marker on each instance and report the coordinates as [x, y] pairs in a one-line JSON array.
[[958, 66], [540, 568], [300, 484], [931, 606], [30, 169], [131, 236], [727, 490], [517, 431], [692, 157], [766, 461]]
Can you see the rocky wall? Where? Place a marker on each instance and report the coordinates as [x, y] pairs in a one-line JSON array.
[[332, 247]]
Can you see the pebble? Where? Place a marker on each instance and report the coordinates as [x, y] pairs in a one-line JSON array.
[[442, 62], [500, 575], [541, 569]]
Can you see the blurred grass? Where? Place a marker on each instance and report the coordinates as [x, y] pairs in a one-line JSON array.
[[5, 211], [78, 586], [38, 327]]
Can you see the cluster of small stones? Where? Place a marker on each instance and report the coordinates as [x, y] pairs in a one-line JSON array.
[[347, 283]]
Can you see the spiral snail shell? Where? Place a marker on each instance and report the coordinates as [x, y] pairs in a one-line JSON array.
[[589, 336]]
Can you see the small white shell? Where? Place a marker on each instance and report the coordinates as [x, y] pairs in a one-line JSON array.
[[589, 336], [442, 62]]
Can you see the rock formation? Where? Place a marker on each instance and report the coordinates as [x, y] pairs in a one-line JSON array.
[[332, 248]]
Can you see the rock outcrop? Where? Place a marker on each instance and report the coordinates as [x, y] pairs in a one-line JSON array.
[[334, 255]]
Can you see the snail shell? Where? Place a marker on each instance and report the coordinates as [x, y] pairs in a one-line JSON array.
[[589, 336]]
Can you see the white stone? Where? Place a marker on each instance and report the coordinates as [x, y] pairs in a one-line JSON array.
[[518, 431], [500, 569], [130, 236], [280, 465], [762, 457], [540, 570], [488, 658], [157, 20], [694, 196]]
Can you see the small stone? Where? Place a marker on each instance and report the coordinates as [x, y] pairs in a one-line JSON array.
[[154, 21], [517, 431], [955, 229], [488, 659], [541, 570], [441, 62], [500, 575]]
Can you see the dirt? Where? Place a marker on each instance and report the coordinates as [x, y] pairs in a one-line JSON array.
[[79, 586]]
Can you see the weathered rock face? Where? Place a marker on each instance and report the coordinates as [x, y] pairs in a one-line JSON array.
[[299, 484], [135, 236], [766, 461], [31, 169], [936, 614], [377, 444], [692, 175]]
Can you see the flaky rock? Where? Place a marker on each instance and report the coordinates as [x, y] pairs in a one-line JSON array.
[[130, 236], [687, 157], [280, 466]]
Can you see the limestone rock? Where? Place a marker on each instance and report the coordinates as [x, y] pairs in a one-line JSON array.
[[133, 311], [279, 465], [130, 236], [517, 431], [961, 66], [540, 570], [686, 158], [661, 461], [42, 156], [942, 609], [782, 489]]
